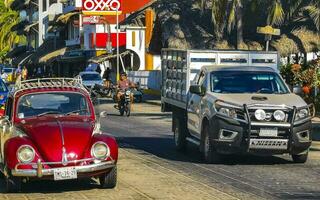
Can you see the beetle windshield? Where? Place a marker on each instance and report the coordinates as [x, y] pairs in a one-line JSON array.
[[91, 77], [247, 82], [39, 104]]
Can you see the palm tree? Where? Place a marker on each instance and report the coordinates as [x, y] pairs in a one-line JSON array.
[[227, 16], [314, 12], [8, 19]]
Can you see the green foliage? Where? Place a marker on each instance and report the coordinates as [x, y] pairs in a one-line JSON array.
[[8, 19]]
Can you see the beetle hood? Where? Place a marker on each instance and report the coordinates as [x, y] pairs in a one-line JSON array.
[[54, 135]]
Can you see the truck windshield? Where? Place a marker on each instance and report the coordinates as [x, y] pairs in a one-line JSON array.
[[247, 82]]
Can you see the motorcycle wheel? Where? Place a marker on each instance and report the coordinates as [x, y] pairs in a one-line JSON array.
[[128, 110]]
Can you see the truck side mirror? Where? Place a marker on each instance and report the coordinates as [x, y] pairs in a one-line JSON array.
[[297, 90], [197, 89]]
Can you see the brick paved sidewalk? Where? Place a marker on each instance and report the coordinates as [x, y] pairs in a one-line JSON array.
[[139, 178]]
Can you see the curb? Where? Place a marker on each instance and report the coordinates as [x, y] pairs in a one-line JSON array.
[[315, 146], [155, 103], [152, 92]]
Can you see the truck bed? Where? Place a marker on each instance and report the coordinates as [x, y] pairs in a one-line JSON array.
[[179, 69]]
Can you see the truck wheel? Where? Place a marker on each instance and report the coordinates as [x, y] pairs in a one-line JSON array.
[[179, 136], [13, 184], [209, 153], [109, 180], [302, 158]]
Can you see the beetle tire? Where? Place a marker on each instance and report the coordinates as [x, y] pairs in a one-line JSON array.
[[302, 158], [109, 180], [13, 184]]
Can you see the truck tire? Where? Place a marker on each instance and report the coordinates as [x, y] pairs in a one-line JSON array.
[[179, 135], [302, 158], [210, 155], [109, 180]]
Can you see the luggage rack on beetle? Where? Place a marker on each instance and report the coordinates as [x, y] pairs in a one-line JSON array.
[[48, 83]]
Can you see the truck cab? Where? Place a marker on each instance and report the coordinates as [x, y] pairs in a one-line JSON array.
[[238, 107]]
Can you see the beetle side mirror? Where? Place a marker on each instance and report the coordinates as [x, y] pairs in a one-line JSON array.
[[103, 114], [197, 89], [297, 90]]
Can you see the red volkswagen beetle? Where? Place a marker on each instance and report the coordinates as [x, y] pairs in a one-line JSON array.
[[50, 131]]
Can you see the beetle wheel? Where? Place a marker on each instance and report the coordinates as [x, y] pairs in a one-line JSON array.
[[109, 180]]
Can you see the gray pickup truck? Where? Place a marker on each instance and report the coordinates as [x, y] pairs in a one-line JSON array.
[[235, 103]]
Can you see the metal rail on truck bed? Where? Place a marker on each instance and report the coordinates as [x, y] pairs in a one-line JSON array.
[[179, 68]]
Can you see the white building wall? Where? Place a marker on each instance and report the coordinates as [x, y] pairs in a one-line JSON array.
[[139, 46], [44, 16]]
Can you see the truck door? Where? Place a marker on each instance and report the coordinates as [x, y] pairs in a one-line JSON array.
[[194, 108]]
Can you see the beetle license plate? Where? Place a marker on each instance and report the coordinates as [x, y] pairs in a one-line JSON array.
[[65, 173], [268, 132]]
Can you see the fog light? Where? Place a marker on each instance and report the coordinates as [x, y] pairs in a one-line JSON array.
[[279, 115], [260, 114]]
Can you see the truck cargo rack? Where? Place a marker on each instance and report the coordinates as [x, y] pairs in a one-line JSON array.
[[180, 67], [48, 83]]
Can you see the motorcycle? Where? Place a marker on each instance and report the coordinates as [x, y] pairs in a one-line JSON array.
[[125, 103]]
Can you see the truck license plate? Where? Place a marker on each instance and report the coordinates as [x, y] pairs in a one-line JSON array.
[[268, 132], [65, 173]]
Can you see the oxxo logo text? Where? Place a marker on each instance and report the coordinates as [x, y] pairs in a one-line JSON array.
[[101, 5]]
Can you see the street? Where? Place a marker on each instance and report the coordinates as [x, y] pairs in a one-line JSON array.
[[150, 168]]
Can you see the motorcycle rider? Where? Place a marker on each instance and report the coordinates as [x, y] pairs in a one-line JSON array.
[[123, 84]]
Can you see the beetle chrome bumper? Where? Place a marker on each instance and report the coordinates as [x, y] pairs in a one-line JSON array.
[[40, 172]]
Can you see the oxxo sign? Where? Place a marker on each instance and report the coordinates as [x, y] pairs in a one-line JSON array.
[[101, 7]]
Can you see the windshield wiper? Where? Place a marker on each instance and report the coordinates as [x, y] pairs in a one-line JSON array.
[[48, 113], [76, 111]]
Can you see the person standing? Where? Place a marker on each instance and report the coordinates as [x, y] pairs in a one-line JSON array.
[[106, 77], [24, 73]]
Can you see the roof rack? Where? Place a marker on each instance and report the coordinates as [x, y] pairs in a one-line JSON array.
[[48, 83]]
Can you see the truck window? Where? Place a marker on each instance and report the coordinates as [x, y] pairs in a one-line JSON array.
[[247, 82]]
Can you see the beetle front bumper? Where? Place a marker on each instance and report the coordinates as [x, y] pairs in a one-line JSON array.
[[82, 170]]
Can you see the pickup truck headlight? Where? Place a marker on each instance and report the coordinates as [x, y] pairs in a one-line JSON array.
[[230, 112], [302, 114], [25, 154], [100, 150]]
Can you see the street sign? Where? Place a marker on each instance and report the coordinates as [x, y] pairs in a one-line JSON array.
[[268, 30], [101, 7]]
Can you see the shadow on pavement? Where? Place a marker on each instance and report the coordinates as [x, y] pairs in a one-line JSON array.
[[164, 148], [45, 186]]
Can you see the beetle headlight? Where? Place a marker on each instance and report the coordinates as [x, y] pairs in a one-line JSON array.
[[260, 114], [100, 150], [279, 115], [301, 114], [25, 154]]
